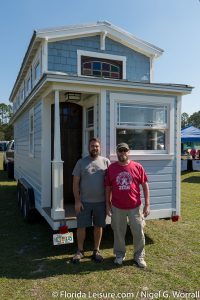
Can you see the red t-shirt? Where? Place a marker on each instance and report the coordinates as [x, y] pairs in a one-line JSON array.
[[125, 184]]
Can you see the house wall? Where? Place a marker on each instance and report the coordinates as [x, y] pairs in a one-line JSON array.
[[62, 56], [26, 166]]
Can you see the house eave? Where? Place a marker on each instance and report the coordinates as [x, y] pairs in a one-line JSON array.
[[116, 85]]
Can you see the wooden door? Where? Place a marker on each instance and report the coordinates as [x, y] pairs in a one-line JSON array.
[[71, 143]]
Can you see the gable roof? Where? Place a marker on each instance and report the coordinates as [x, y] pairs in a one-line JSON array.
[[190, 134], [101, 28]]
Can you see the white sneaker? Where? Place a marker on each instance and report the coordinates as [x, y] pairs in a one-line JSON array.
[[140, 262], [119, 260]]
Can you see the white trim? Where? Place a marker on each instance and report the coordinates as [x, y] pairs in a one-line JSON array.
[[160, 214], [151, 69], [147, 99], [57, 210], [44, 67], [100, 55], [113, 157], [102, 121], [113, 32], [178, 157], [35, 62], [89, 102], [103, 40]]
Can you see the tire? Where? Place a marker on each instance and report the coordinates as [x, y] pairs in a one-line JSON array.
[[28, 213], [19, 195], [4, 166], [10, 170]]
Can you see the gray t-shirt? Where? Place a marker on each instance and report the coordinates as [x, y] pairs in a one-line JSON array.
[[91, 173]]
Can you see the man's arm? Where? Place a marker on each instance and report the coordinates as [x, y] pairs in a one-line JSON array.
[[76, 191], [146, 210], [108, 200]]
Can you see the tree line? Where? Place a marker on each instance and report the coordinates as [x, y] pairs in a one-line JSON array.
[[6, 130], [193, 120]]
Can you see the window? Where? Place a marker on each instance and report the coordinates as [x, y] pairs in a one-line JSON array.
[[28, 85], [90, 122], [31, 132], [145, 122], [37, 71], [101, 67], [22, 95], [142, 127]]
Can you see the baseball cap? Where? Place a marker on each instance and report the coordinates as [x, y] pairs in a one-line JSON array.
[[122, 145]]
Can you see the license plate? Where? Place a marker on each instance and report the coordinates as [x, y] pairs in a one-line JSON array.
[[65, 238]]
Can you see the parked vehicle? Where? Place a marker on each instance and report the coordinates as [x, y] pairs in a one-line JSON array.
[[3, 145], [8, 159]]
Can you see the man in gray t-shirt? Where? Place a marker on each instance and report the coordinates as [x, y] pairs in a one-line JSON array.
[[89, 194]]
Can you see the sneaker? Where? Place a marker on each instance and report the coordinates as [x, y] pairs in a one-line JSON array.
[[96, 256], [119, 260], [78, 256], [140, 262]]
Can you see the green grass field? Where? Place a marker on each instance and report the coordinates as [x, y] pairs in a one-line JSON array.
[[32, 268]]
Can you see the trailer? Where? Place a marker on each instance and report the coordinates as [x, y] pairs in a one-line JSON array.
[[80, 81]]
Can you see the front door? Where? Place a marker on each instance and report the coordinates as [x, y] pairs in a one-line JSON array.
[[71, 143]]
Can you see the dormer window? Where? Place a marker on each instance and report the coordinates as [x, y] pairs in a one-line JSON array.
[[102, 65], [91, 66]]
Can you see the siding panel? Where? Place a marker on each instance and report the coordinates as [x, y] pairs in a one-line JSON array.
[[26, 166], [62, 56]]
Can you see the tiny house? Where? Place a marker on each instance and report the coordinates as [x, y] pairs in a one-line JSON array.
[[80, 81]]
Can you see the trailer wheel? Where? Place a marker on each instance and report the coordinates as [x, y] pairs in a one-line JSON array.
[[4, 166], [19, 196], [28, 213], [26, 201], [10, 170]]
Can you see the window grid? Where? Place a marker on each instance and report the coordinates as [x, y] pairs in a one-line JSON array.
[[101, 68]]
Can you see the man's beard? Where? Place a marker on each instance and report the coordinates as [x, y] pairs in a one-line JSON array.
[[122, 158], [94, 154]]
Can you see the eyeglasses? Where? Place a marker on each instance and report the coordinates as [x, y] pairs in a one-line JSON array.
[[123, 150]]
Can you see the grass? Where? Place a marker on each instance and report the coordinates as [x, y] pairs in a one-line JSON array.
[[32, 268]]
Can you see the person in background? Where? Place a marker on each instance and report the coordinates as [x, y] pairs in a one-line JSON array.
[[89, 194], [193, 153], [123, 199]]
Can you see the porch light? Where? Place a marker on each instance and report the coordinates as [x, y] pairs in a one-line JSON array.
[[75, 97]]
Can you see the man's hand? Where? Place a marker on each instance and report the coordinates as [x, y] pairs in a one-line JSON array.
[[108, 210], [78, 207], [146, 210]]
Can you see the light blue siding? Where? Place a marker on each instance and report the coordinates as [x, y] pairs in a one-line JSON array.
[[162, 183], [62, 56], [25, 166]]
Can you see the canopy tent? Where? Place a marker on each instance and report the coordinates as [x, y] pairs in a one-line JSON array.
[[190, 134]]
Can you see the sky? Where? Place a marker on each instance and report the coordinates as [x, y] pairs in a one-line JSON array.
[[172, 25]]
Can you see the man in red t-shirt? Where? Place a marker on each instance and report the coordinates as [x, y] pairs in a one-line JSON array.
[[123, 199]]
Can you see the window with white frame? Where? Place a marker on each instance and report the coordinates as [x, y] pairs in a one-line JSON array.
[[145, 123], [90, 122], [31, 132], [28, 85], [101, 65], [141, 126], [37, 71], [22, 96]]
